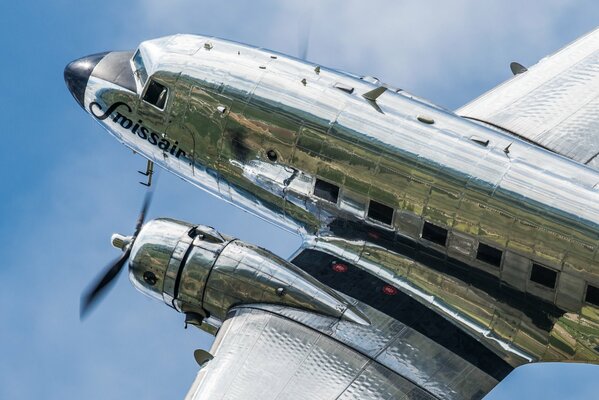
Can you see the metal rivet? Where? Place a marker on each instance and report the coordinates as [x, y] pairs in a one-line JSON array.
[[281, 292], [304, 81], [221, 109], [317, 70], [208, 46]]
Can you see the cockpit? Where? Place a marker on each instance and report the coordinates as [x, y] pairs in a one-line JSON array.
[[115, 68], [153, 92], [139, 69]]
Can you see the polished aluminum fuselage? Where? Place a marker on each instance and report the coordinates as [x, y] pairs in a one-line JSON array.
[[229, 105]]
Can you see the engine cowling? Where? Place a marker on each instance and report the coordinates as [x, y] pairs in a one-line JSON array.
[[203, 273]]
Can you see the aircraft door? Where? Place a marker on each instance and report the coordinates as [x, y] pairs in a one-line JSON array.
[[205, 119]]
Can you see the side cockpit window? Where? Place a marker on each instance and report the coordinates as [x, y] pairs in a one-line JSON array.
[[156, 94], [139, 69]]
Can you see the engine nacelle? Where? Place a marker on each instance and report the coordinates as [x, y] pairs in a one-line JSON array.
[[202, 273]]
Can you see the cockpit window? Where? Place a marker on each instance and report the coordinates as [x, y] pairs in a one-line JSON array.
[[139, 68], [156, 94]]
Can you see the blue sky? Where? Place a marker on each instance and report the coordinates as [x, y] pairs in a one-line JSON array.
[[66, 186]]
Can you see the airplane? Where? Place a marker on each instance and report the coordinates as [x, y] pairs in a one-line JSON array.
[[441, 249]]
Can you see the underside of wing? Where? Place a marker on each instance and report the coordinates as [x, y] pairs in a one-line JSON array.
[[435, 332], [260, 354], [554, 103], [406, 350]]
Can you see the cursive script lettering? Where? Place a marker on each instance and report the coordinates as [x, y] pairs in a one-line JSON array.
[[110, 110], [154, 138]]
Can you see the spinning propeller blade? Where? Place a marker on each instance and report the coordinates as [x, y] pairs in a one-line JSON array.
[[91, 296]]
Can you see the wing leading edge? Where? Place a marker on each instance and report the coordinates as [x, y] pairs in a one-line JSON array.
[[553, 104]]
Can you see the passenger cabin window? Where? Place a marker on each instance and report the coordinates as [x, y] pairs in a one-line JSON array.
[[380, 212], [139, 68], [543, 276], [592, 296], [326, 191], [489, 255], [434, 233], [156, 94]]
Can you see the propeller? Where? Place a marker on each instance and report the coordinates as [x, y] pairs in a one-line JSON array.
[[91, 296], [304, 34]]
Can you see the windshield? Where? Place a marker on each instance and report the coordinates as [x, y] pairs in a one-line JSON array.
[[139, 68]]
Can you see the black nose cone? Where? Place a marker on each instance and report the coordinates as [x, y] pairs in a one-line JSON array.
[[76, 75]]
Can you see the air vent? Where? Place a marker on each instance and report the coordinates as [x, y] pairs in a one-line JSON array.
[[479, 140], [344, 88], [372, 79], [425, 119]]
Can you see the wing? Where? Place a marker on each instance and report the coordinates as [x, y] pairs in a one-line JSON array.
[[554, 104], [440, 329], [269, 352], [262, 354], [407, 351]]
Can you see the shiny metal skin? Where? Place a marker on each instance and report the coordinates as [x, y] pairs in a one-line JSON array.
[[296, 362], [339, 155], [197, 270], [553, 103], [204, 273], [152, 252], [399, 348]]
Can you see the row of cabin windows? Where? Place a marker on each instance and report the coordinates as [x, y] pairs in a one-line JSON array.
[[376, 211], [379, 212]]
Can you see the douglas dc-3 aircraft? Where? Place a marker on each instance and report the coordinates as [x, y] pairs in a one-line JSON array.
[[441, 249]]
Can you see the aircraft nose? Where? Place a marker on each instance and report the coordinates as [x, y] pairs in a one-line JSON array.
[[76, 75]]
